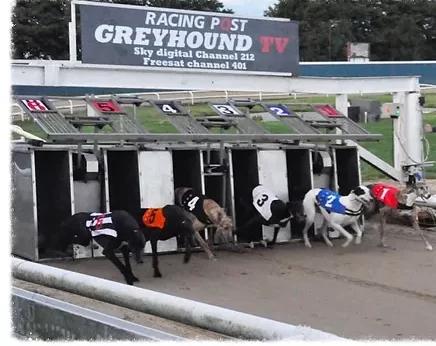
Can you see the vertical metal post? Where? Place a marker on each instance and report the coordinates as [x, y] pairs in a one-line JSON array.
[[72, 33], [222, 162], [398, 135], [341, 104], [413, 128]]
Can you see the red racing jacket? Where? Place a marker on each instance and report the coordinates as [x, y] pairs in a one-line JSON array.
[[386, 194]]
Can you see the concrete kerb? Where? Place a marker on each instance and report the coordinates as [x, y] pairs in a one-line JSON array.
[[210, 317]]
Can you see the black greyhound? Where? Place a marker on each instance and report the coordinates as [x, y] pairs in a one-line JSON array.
[[117, 230], [162, 224], [268, 210]]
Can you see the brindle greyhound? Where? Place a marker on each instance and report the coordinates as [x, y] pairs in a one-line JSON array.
[[391, 197], [203, 211]]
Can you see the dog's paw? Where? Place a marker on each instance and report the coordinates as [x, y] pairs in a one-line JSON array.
[[346, 243], [429, 247], [308, 245], [129, 281], [157, 274], [251, 245], [264, 243], [270, 244], [135, 279], [330, 244], [358, 240]]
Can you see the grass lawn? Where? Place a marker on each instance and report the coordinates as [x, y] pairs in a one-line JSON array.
[[155, 123]]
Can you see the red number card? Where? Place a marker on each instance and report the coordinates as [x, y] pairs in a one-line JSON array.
[[106, 106], [35, 105]]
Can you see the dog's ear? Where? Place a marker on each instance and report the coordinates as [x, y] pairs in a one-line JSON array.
[[358, 191]]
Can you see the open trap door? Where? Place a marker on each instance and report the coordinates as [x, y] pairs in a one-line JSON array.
[[272, 170], [156, 187], [217, 184], [53, 198], [347, 175], [300, 181], [87, 189], [24, 208], [187, 173], [245, 177]]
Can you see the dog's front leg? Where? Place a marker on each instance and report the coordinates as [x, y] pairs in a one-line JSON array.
[[383, 211], [187, 256], [109, 253], [204, 245], [346, 234], [157, 273], [126, 255], [416, 227], [276, 233], [356, 228]]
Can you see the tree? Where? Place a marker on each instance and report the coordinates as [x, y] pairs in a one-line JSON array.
[[395, 29], [40, 27]]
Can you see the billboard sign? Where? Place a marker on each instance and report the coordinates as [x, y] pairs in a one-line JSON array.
[[167, 38]]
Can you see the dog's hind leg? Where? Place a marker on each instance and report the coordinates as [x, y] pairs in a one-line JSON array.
[[416, 227], [156, 271], [323, 231], [310, 219], [204, 245]]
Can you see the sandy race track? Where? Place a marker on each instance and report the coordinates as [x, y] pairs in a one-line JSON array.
[[360, 292]]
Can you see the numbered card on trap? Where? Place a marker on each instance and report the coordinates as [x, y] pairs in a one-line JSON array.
[[280, 110]]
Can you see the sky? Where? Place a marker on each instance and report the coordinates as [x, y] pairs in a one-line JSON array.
[[252, 8]]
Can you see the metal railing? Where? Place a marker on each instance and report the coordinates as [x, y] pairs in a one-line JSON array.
[[69, 104]]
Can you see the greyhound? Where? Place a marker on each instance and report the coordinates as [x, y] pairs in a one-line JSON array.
[[203, 211], [338, 211], [115, 230], [162, 224], [269, 210], [391, 197]]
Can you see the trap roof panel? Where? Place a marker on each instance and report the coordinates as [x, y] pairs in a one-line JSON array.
[[121, 121], [181, 119], [45, 115], [347, 125], [244, 123], [288, 117]]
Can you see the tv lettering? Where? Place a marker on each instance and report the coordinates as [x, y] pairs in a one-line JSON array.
[[279, 43]]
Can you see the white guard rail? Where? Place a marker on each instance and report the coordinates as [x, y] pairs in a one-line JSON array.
[[210, 317]]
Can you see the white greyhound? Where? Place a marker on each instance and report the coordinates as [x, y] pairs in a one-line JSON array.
[[338, 211]]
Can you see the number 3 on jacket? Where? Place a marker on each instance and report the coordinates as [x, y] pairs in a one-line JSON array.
[[154, 218]]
